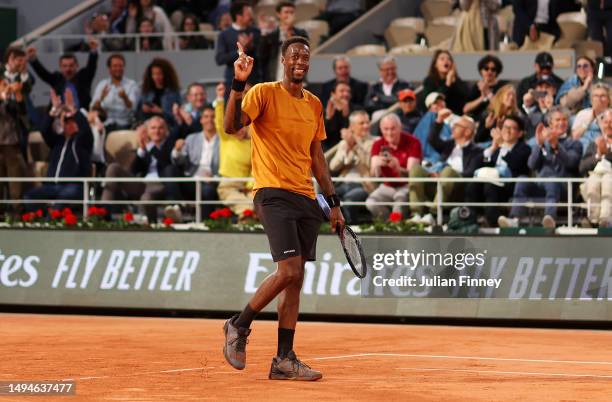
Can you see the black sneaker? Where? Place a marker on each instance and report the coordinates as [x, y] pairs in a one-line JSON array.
[[234, 348], [290, 368]]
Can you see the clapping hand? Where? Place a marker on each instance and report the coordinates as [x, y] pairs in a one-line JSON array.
[[541, 134], [143, 139], [179, 144], [496, 136], [443, 114], [220, 90]]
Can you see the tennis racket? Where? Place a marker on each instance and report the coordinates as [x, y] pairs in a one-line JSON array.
[[351, 245]]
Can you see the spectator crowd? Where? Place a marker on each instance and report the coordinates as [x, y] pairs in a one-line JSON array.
[[542, 126]]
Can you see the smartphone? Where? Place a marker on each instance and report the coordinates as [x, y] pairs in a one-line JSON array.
[[385, 151], [540, 94]]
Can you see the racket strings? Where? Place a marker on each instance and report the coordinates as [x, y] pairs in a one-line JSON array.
[[352, 247]]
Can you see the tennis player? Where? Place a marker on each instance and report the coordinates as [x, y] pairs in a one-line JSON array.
[[286, 132]]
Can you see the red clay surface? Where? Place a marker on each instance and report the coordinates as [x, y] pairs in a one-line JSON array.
[[166, 359]]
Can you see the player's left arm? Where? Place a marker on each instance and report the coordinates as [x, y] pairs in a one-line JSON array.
[[321, 173]]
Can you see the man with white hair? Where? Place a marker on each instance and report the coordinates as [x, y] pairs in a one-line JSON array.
[[555, 154], [352, 159], [153, 156], [597, 163], [461, 158], [383, 94], [587, 123], [393, 155]]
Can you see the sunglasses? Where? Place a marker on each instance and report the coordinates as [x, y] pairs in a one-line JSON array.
[[586, 65], [491, 69]]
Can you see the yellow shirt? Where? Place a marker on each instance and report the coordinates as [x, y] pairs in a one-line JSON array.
[[234, 153], [282, 129]]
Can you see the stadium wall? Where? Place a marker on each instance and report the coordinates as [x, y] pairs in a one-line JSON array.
[[220, 271]]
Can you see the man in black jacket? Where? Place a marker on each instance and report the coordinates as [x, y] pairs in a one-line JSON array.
[[70, 77], [13, 133], [507, 155], [543, 66], [240, 31], [383, 94], [461, 155], [67, 133], [153, 157], [599, 16], [269, 45], [342, 71], [534, 16]]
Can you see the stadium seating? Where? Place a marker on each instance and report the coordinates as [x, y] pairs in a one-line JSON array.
[[409, 49], [121, 147], [38, 153], [590, 48], [440, 29], [432, 9], [306, 9], [573, 26], [404, 31], [367, 50], [266, 7], [316, 29]]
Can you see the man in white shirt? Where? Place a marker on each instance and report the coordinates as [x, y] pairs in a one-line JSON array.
[[117, 95]]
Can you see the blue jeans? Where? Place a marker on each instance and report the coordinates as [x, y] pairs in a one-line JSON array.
[[523, 192], [52, 191]]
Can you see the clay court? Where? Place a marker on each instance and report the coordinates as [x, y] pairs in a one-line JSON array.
[[163, 359]]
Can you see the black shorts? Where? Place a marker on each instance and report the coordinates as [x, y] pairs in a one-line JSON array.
[[291, 222]]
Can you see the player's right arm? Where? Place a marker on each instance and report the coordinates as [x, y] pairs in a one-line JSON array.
[[235, 118]]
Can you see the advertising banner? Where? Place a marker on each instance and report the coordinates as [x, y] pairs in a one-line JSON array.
[[552, 278]]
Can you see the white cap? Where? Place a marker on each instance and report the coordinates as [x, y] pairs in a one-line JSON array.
[[432, 98]]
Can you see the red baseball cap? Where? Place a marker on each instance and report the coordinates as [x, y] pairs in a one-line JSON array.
[[406, 94]]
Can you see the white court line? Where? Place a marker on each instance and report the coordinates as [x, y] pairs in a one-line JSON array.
[[527, 373], [459, 357], [187, 369]]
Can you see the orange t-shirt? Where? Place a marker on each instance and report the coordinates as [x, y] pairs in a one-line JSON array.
[[282, 129]]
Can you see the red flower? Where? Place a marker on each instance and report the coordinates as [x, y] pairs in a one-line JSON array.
[[168, 221], [226, 213], [247, 213], [102, 211], [70, 220], [92, 211], [66, 212], [39, 213], [395, 217], [28, 217], [55, 214], [214, 214], [128, 217]]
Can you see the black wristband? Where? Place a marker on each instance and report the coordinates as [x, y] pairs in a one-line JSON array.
[[237, 85], [333, 200]]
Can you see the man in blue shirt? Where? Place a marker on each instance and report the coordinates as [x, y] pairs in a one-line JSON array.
[[116, 95]]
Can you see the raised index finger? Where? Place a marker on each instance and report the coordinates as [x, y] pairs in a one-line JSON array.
[[240, 49]]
